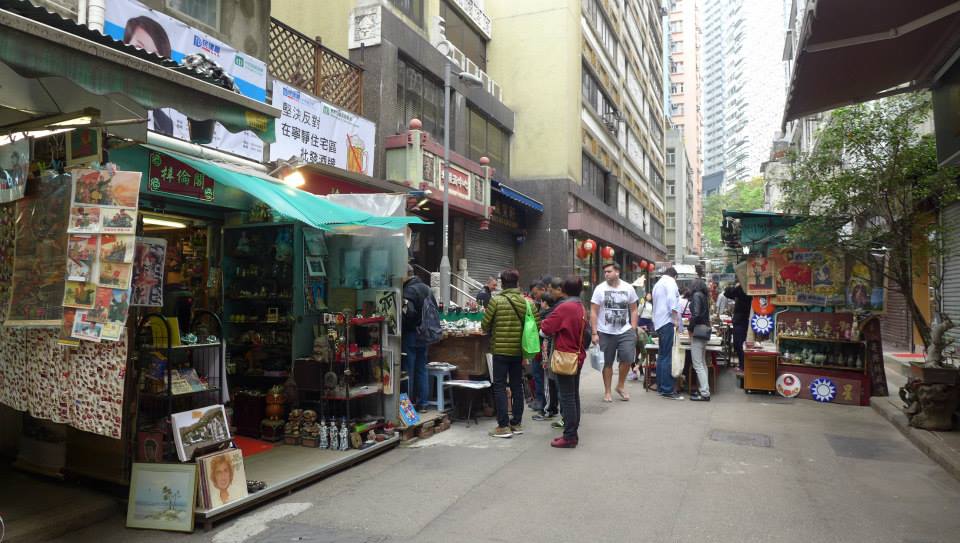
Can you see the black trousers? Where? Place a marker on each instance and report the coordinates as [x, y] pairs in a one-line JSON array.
[[504, 368], [553, 395], [569, 386], [739, 336]]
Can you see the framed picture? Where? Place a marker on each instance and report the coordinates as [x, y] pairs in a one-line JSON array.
[[83, 146], [162, 497], [314, 243], [315, 267], [223, 479], [199, 429], [150, 447]]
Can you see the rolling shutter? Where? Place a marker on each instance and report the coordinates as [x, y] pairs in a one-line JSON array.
[[951, 265], [488, 252]]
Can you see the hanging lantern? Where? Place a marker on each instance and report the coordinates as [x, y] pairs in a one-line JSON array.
[[581, 252], [643, 263], [651, 266], [589, 246], [607, 252]]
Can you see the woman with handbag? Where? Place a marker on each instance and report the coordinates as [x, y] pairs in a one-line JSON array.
[[699, 326], [567, 324]]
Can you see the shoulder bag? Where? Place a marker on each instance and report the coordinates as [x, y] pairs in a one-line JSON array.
[[530, 337], [564, 363]]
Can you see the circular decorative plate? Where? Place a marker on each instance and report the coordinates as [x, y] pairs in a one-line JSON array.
[[763, 305], [761, 324], [789, 385], [823, 390]]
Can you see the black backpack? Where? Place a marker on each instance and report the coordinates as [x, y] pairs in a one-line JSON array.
[[429, 330]]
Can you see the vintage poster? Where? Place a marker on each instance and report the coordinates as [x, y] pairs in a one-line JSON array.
[[14, 169], [117, 248], [85, 329], [118, 221], [79, 294], [106, 188], [760, 274], [81, 256], [866, 287], [84, 220], [112, 331], [66, 330], [828, 274], [40, 251], [148, 272], [101, 304], [794, 277], [114, 275]]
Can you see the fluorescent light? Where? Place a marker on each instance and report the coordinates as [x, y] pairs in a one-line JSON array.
[[77, 121], [163, 222], [294, 179]]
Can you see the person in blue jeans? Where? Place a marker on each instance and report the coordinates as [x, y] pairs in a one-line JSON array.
[[415, 294], [666, 320]]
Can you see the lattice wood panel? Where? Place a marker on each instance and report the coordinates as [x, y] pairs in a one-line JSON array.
[[305, 63]]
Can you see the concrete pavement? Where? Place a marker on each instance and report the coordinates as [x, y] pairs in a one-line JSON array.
[[740, 468]]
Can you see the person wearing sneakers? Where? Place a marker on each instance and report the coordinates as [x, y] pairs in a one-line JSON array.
[[613, 318], [503, 319], [666, 321], [699, 314], [551, 399], [568, 326]]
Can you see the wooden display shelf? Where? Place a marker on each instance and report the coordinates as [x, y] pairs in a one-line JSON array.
[[821, 366], [821, 340]]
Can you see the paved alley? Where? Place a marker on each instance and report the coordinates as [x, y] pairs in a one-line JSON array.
[[740, 468]]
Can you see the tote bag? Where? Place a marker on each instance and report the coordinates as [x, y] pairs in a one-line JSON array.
[[678, 357]]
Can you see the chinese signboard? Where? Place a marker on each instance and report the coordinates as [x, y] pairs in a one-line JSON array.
[[318, 133], [459, 182], [171, 176]]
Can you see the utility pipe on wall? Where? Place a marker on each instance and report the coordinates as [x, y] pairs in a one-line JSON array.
[[96, 10]]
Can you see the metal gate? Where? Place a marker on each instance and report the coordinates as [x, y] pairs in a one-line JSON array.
[[951, 266], [488, 252]]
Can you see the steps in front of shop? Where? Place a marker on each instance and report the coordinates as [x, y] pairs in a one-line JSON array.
[[36, 509], [431, 422]]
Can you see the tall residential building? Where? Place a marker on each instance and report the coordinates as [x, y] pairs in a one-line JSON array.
[[682, 193], [686, 117], [586, 81], [744, 89]]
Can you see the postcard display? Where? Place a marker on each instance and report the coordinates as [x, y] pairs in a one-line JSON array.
[[820, 299], [82, 386]]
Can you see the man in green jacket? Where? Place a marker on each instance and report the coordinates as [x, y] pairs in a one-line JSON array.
[[504, 320]]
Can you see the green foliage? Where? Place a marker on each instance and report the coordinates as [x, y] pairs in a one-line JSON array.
[[872, 185], [743, 196]]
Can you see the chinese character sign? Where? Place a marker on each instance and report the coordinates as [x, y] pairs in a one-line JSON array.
[[169, 175], [318, 133]]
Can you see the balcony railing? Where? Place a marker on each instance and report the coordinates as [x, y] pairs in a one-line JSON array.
[[306, 63]]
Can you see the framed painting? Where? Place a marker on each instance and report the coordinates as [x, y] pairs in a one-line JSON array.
[[83, 146], [162, 497]]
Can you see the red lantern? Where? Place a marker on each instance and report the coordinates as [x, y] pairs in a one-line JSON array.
[[581, 253], [607, 252], [643, 263], [589, 246]]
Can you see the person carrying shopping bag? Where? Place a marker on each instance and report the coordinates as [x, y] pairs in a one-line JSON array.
[[568, 326]]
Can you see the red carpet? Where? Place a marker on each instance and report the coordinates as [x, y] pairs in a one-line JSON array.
[[909, 355], [251, 446]]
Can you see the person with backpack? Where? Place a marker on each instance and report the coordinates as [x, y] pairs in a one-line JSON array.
[[420, 327], [505, 319]]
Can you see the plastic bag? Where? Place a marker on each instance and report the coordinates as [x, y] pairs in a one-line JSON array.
[[678, 357], [595, 355]]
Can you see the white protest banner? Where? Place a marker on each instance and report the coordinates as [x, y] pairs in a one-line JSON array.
[[319, 133]]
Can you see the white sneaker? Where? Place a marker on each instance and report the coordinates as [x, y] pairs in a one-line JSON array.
[[632, 376]]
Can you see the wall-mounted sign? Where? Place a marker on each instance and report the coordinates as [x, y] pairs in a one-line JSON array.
[[459, 182], [169, 175]]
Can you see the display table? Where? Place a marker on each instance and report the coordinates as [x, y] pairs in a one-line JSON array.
[[649, 362], [467, 352]]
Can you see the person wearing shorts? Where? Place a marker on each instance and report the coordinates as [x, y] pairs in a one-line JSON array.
[[613, 318]]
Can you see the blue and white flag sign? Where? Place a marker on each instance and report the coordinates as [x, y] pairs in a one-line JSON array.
[[130, 21]]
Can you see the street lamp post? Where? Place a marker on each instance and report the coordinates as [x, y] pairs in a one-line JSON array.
[[470, 80]]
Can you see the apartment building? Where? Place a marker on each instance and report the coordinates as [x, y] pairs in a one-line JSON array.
[[586, 82], [681, 235], [685, 96]]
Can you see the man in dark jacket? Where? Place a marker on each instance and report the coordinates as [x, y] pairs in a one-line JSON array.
[[483, 297], [503, 319], [415, 293], [741, 317]]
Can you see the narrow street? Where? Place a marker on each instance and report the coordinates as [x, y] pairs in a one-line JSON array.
[[740, 468]]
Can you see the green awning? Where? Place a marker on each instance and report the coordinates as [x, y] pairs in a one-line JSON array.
[[297, 204]]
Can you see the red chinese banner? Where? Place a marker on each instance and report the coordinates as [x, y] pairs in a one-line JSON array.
[[169, 175]]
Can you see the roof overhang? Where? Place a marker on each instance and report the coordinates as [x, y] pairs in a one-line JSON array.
[[60, 63], [853, 51]]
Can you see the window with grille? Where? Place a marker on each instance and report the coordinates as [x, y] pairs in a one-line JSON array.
[[412, 9], [594, 95], [601, 26], [595, 179], [419, 96], [671, 156], [203, 11], [463, 36]]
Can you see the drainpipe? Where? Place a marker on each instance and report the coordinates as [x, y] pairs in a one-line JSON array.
[[95, 14], [82, 12]]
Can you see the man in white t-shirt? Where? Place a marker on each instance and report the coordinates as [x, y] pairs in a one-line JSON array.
[[666, 321], [613, 316]]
